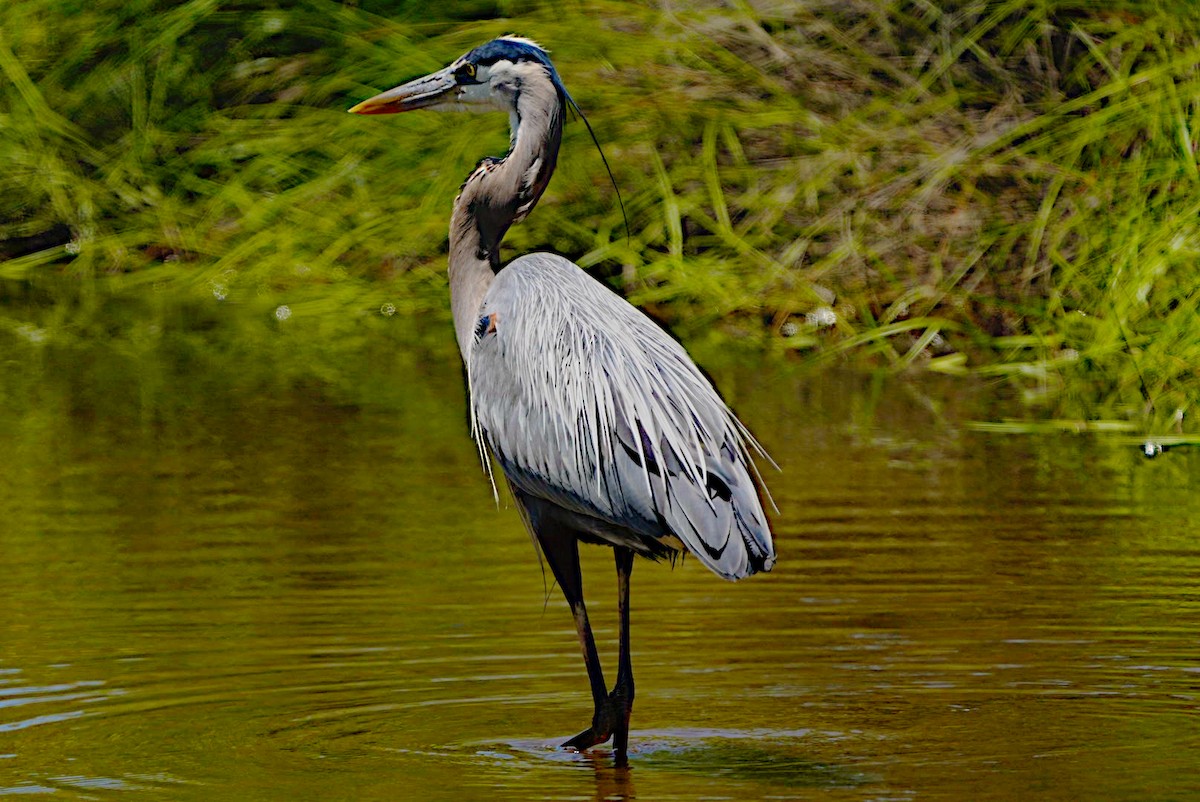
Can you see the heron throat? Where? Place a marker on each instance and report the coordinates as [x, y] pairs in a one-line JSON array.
[[501, 192]]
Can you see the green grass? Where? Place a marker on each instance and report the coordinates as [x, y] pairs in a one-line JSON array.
[[1005, 190]]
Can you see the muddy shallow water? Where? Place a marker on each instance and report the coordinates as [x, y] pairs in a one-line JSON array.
[[278, 597]]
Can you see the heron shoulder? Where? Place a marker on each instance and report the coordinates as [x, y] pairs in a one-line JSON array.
[[550, 290], [549, 272]]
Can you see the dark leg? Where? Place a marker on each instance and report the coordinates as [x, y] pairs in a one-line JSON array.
[[562, 552], [622, 695]]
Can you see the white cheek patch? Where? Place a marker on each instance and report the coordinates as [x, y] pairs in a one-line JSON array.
[[494, 87], [498, 71], [483, 95], [503, 77], [474, 93]]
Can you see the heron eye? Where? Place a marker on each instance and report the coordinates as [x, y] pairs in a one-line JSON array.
[[466, 71]]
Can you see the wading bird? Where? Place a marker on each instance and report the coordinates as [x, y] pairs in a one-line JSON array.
[[606, 430]]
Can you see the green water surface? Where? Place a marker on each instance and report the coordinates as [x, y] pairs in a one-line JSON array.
[[271, 594]]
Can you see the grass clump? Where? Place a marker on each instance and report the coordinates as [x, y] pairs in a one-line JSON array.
[[1001, 188]]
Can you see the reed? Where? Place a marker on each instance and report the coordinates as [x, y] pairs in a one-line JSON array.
[[1003, 189]]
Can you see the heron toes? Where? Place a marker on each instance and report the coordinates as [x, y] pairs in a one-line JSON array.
[[585, 740], [611, 718]]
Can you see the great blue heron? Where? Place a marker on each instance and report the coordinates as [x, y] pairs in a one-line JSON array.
[[606, 430]]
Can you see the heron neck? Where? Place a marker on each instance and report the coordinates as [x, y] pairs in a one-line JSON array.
[[497, 194]]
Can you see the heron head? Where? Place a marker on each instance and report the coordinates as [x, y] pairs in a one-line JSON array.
[[490, 77]]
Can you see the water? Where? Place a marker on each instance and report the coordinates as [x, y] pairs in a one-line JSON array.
[[249, 594]]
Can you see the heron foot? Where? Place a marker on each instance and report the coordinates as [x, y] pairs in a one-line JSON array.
[[586, 740], [611, 720]]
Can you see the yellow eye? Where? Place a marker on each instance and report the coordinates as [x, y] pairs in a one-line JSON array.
[[467, 70]]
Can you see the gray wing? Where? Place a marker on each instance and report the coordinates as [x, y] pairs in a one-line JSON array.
[[587, 404]]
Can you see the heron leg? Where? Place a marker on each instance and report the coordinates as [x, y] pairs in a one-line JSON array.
[[561, 550], [621, 697]]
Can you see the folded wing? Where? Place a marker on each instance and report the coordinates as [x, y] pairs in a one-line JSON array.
[[586, 403]]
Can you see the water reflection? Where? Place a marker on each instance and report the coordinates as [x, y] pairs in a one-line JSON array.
[[613, 783], [255, 595]]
